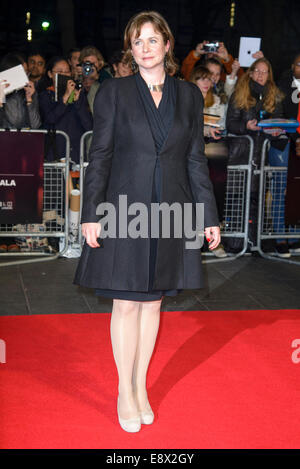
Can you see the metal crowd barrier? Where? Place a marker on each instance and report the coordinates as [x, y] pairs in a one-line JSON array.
[[235, 222], [55, 212], [237, 200], [271, 215]]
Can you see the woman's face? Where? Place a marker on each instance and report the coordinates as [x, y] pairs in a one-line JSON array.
[[61, 68], [260, 74], [122, 70], [204, 84], [215, 71], [149, 49]]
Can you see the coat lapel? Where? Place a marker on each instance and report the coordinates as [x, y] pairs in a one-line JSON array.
[[141, 121], [181, 117]]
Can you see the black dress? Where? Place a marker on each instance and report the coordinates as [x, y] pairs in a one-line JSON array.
[[160, 120]]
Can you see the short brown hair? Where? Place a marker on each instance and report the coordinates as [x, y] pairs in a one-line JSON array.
[[198, 73], [161, 26]]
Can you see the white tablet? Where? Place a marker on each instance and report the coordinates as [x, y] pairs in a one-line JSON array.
[[248, 46], [16, 77]]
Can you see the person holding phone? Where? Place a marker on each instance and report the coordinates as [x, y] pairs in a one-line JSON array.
[[199, 54], [70, 113]]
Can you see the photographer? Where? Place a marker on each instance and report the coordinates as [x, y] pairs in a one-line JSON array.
[[92, 55], [70, 113], [93, 71], [203, 52]]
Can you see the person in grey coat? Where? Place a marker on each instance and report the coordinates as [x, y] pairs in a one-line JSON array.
[[20, 109]]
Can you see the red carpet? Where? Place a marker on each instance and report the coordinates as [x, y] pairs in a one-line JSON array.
[[218, 379]]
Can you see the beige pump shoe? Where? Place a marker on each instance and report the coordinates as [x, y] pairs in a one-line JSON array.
[[147, 417], [129, 425]]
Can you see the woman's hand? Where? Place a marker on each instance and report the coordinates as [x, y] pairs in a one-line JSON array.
[[3, 85], [213, 236], [222, 52], [258, 55], [76, 94], [214, 133], [91, 231], [277, 132], [199, 48], [70, 88], [235, 68], [251, 125], [29, 91]]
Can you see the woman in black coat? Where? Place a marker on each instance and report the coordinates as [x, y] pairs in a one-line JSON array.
[[147, 146]]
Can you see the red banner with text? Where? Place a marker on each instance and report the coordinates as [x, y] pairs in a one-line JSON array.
[[21, 177]]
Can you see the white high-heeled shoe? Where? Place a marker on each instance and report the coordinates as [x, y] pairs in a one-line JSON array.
[[129, 425], [147, 417]]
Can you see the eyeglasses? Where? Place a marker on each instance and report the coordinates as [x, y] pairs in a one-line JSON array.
[[261, 72], [61, 72]]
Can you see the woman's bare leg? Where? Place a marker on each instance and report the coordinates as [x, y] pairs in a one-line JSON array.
[[149, 317], [124, 337]]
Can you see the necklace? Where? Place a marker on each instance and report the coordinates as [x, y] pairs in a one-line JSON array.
[[155, 87]]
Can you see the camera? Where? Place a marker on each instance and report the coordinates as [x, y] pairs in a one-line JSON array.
[[87, 68], [79, 83], [211, 47]]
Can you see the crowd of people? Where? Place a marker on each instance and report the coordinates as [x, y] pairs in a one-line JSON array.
[[39, 105], [238, 97]]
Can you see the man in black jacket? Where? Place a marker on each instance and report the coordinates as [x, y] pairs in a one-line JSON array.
[[290, 85]]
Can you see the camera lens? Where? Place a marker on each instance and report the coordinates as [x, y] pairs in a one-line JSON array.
[[87, 68]]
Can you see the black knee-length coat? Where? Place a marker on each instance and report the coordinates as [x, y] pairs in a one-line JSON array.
[[122, 161]]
